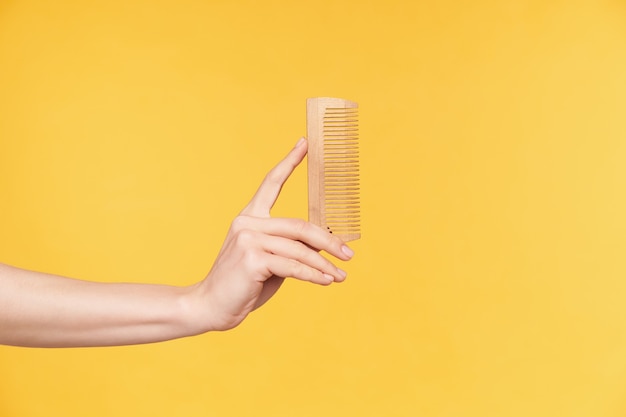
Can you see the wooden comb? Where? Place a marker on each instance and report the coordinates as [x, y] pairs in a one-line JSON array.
[[333, 166]]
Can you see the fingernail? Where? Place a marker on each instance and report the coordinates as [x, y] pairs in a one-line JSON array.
[[342, 273], [349, 252], [300, 142], [329, 278]]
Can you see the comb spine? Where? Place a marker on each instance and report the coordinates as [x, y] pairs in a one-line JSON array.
[[315, 159]]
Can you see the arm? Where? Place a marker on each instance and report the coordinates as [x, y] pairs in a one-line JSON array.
[[45, 310], [259, 251]]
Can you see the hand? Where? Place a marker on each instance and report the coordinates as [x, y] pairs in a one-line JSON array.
[[260, 251]]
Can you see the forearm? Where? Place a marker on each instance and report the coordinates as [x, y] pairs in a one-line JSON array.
[[50, 311]]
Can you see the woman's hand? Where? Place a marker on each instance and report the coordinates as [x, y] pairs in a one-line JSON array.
[[44, 310], [260, 251]]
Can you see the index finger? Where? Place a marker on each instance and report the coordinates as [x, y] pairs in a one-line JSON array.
[[268, 191]]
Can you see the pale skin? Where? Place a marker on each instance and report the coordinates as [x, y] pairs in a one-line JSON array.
[[42, 310]]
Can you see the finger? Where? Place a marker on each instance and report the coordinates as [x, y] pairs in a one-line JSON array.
[[298, 251], [285, 267], [297, 229], [268, 191]]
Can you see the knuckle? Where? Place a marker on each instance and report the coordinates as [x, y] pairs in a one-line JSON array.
[[238, 223], [327, 265], [328, 241], [274, 176], [302, 251], [244, 237], [252, 260], [296, 269], [255, 263], [312, 257], [334, 242], [300, 226]]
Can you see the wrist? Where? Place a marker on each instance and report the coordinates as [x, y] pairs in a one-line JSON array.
[[193, 311]]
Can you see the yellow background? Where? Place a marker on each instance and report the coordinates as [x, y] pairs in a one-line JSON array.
[[491, 277]]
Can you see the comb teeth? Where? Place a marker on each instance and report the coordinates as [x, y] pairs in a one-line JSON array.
[[333, 166]]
